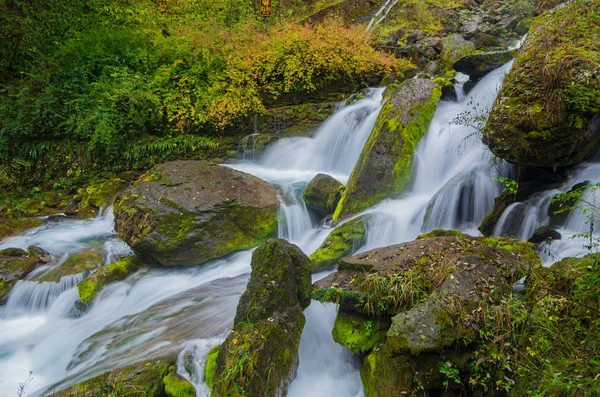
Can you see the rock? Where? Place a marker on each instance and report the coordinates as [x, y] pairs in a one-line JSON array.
[[185, 213], [77, 263], [560, 208], [116, 271], [322, 194], [260, 356], [427, 261], [13, 227], [414, 37], [547, 113], [384, 374], [98, 196], [15, 264], [156, 378], [454, 47], [341, 242], [358, 333], [486, 42], [544, 233], [478, 65], [383, 169], [42, 255]]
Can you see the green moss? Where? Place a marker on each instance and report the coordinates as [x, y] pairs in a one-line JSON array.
[[341, 242], [155, 378], [358, 333], [117, 271], [12, 227], [346, 299], [97, 196], [13, 252], [175, 386], [13, 270], [440, 233], [211, 365], [76, 263], [385, 375]]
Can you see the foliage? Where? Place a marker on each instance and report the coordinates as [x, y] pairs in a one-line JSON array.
[[103, 86], [510, 185], [585, 201]]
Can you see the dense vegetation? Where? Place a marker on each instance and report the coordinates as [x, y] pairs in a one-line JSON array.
[[100, 85]]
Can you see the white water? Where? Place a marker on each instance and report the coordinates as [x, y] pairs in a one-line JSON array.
[[453, 177]]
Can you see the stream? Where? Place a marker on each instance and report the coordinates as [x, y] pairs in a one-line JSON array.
[[186, 311]]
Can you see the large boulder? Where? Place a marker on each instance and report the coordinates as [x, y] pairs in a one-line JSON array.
[[383, 169], [322, 194], [547, 113], [185, 213], [480, 64], [341, 242], [260, 356], [432, 291]]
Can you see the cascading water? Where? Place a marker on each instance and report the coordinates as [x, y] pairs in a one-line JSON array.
[[453, 187]]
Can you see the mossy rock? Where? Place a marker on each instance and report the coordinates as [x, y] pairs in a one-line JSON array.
[[260, 356], [185, 213], [99, 196], [440, 233], [76, 263], [13, 227], [454, 47], [384, 167], [358, 333], [385, 375], [14, 266], [155, 378], [211, 365], [480, 64], [369, 282], [176, 386], [322, 194], [116, 271], [547, 113], [341, 242]]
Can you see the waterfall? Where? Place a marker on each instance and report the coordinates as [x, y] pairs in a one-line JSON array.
[[31, 296], [186, 311]]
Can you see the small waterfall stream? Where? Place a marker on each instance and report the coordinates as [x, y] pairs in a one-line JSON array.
[[187, 311]]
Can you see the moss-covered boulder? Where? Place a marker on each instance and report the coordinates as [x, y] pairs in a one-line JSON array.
[[185, 213], [431, 291], [390, 280], [480, 64], [15, 264], [98, 196], [322, 194], [13, 227], [454, 47], [116, 271], [260, 356], [547, 113], [357, 332], [341, 242], [155, 378], [383, 169], [76, 263]]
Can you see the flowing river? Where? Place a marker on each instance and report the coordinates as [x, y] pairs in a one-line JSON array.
[[186, 311]]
